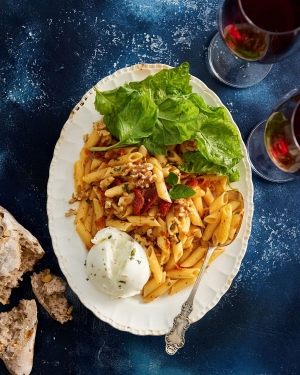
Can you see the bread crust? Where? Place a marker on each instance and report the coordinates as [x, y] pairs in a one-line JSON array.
[[19, 252], [17, 337], [49, 290]]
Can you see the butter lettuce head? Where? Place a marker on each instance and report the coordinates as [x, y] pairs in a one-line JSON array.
[[162, 111]]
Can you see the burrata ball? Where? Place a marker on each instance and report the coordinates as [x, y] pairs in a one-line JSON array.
[[117, 264]]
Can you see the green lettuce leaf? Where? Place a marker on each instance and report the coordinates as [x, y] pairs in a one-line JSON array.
[[166, 83], [219, 142], [195, 162], [156, 143], [129, 124]]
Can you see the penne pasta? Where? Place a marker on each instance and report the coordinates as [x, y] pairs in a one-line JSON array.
[[185, 273], [125, 159], [155, 267], [151, 285], [219, 202], [119, 190], [181, 284], [84, 234], [78, 175], [141, 221], [225, 222], [161, 289], [160, 185], [194, 257], [128, 189]]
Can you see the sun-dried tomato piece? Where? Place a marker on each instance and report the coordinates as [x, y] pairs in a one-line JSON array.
[[193, 182], [150, 196], [164, 207], [138, 202]]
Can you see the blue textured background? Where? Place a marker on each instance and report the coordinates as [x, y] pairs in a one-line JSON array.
[[51, 53]]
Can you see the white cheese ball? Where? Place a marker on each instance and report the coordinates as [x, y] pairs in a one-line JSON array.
[[117, 264]]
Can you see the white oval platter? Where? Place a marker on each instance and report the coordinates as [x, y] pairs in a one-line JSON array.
[[132, 314]]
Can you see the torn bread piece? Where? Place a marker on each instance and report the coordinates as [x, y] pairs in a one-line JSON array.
[[19, 252], [49, 290], [17, 337]]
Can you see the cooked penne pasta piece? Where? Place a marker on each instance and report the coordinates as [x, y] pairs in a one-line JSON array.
[[95, 164], [176, 248], [152, 285], [188, 242], [162, 160], [185, 224], [143, 151], [94, 228], [119, 190], [225, 222], [235, 205], [155, 162], [186, 253], [163, 242], [209, 230], [87, 169], [124, 226], [216, 253], [89, 217], [115, 171], [174, 157], [208, 197], [155, 267], [198, 202], [84, 234], [219, 202], [98, 175], [235, 224], [125, 159], [212, 218], [99, 216], [185, 273], [82, 210], [94, 137], [171, 222], [78, 175], [160, 290], [160, 185], [194, 257], [199, 192], [215, 236], [194, 215], [181, 284], [141, 221]]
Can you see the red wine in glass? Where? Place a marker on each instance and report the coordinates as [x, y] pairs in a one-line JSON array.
[[282, 139], [260, 30], [257, 33], [274, 145]]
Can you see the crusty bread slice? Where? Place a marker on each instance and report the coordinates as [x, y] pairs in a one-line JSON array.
[[17, 337], [49, 290], [19, 252]]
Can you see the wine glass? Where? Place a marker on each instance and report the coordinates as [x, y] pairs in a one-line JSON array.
[[274, 145], [253, 34]]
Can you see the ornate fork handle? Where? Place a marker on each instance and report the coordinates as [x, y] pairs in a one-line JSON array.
[[175, 338]]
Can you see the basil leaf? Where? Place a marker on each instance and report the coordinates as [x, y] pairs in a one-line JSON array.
[[181, 191], [172, 179]]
